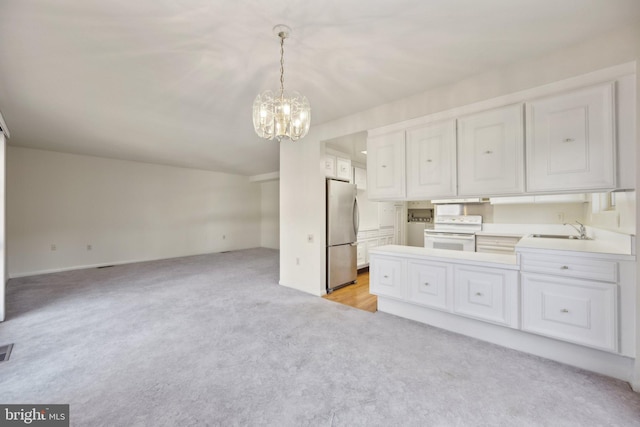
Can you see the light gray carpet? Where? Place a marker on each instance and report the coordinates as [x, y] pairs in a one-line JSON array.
[[214, 340]]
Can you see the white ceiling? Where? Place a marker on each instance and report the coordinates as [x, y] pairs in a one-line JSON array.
[[173, 81]]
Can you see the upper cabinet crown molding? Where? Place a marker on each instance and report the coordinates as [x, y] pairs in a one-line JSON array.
[[571, 140]]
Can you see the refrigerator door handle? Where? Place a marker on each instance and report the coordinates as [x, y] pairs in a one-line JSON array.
[[356, 217]]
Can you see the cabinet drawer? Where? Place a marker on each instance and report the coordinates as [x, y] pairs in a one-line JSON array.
[[487, 294], [573, 310], [497, 244], [568, 266], [386, 276], [429, 284]]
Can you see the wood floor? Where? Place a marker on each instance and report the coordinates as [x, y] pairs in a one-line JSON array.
[[356, 295]]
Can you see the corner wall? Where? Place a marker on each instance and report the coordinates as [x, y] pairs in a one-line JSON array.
[[127, 211], [270, 214]]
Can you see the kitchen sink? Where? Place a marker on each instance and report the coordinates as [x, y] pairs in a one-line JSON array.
[[556, 236]]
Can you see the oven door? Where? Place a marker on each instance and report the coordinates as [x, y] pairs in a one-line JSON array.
[[450, 241]]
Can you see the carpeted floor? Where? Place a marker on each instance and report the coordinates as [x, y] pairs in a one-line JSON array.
[[214, 340]]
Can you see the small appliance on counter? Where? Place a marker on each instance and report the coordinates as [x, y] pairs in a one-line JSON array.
[[342, 234]]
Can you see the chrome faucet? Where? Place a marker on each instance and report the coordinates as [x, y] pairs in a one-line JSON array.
[[582, 230]]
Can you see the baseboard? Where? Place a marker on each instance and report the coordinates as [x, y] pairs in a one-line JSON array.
[[107, 263], [602, 362]]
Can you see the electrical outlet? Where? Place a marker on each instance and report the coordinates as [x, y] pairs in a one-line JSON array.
[[53, 247], [297, 261], [310, 238], [560, 216]]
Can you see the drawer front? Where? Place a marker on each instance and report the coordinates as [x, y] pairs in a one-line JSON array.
[[572, 310], [386, 276], [496, 244], [568, 266], [429, 283], [486, 294]]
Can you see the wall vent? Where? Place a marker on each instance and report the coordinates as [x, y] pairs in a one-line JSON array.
[[5, 352]]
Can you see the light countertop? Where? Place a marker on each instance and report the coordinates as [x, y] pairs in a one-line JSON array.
[[475, 258], [596, 246]]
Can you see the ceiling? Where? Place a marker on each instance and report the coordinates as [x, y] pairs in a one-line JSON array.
[[173, 81]]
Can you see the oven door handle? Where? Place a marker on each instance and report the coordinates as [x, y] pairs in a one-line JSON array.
[[451, 236]]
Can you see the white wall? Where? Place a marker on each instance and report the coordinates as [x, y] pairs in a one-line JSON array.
[[127, 211], [270, 214], [301, 179]]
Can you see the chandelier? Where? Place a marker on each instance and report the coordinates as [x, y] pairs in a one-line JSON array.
[[281, 115]]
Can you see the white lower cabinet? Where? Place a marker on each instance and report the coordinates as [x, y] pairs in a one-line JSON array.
[[386, 276], [575, 310], [488, 294], [430, 284], [361, 254]]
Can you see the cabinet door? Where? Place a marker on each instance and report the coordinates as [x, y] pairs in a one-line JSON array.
[[361, 254], [429, 284], [330, 166], [386, 214], [579, 311], [371, 243], [385, 166], [343, 169], [386, 276], [431, 160], [491, 152], [360, 178], [570, 141], [488, 294]]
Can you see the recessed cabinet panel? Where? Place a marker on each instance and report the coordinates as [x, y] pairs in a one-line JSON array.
[[429, 284], [487, 294], [386, 166], [330, 166], [343, 169], [571, 266], [386, 276], [491, 152], [431, 160], [575, 310], [571, 155], [571, 140]]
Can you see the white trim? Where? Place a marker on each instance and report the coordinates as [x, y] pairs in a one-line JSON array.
[[271, 176], [602, 362], [104, 264], [600, 76], [4, 127]]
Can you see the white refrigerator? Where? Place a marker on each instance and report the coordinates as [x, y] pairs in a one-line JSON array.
[[342, 232]]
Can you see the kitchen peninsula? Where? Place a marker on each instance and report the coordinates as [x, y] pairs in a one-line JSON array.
[[568, 300]]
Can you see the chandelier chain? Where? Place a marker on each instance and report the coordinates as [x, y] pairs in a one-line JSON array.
[[282, 36]]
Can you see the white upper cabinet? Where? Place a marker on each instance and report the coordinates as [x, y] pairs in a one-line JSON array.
[[343, 169], [491, 152], [386, 166], [431, 160], [571, 140], [330, 166], [360, 178]]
